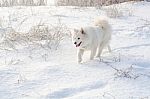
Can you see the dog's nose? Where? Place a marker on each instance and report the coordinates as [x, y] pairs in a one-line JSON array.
[[75, 42]]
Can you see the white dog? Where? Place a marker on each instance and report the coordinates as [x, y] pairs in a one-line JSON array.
[[93, 38]]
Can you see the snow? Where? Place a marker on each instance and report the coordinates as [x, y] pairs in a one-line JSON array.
[[30, 73]]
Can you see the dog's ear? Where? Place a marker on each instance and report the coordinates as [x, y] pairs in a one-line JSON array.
[[82, 31]]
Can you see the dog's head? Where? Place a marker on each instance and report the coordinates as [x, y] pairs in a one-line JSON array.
[[79, 37]]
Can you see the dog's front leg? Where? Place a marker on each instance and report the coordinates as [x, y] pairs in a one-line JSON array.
[[100, 49], [80, 54], [93, 52], [109, 48]]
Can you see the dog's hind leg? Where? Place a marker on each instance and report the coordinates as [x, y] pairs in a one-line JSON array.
[[109, 49], [80, 54]]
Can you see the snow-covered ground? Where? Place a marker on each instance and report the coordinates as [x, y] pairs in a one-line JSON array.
[[29, 73]]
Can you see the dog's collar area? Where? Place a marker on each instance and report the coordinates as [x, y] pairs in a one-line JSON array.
[[77, 45]]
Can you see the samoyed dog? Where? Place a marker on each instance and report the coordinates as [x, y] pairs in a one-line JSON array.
[[94, 38]]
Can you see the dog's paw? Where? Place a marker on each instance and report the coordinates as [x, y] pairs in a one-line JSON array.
[[91, 58], [99, 58], [79, 61]]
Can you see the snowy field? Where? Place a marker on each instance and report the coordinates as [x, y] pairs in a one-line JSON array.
[[33, 72]]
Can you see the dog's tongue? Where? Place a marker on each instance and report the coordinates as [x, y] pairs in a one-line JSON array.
[[78, 44]]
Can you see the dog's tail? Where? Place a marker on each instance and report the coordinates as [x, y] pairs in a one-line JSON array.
[[104, 25]]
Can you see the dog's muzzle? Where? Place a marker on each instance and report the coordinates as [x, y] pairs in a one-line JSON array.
[[77, 45]]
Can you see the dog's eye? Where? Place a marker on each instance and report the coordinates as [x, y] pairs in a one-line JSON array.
[[78, 38]]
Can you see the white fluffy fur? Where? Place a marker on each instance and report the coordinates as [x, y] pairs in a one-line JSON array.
[[93, 38]]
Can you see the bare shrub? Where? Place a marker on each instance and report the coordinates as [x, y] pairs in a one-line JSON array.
[[8, 38], [89, 2], [46, 36], [127, 73], [143, 29], [113, 11], [123, 73], [8, 3]]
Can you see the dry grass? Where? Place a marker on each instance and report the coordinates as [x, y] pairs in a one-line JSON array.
[[8, 3], [85, 3], [115, 11], [46, 36], [41, 34]]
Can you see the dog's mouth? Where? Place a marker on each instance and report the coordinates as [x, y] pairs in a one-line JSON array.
[[77, 45]]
